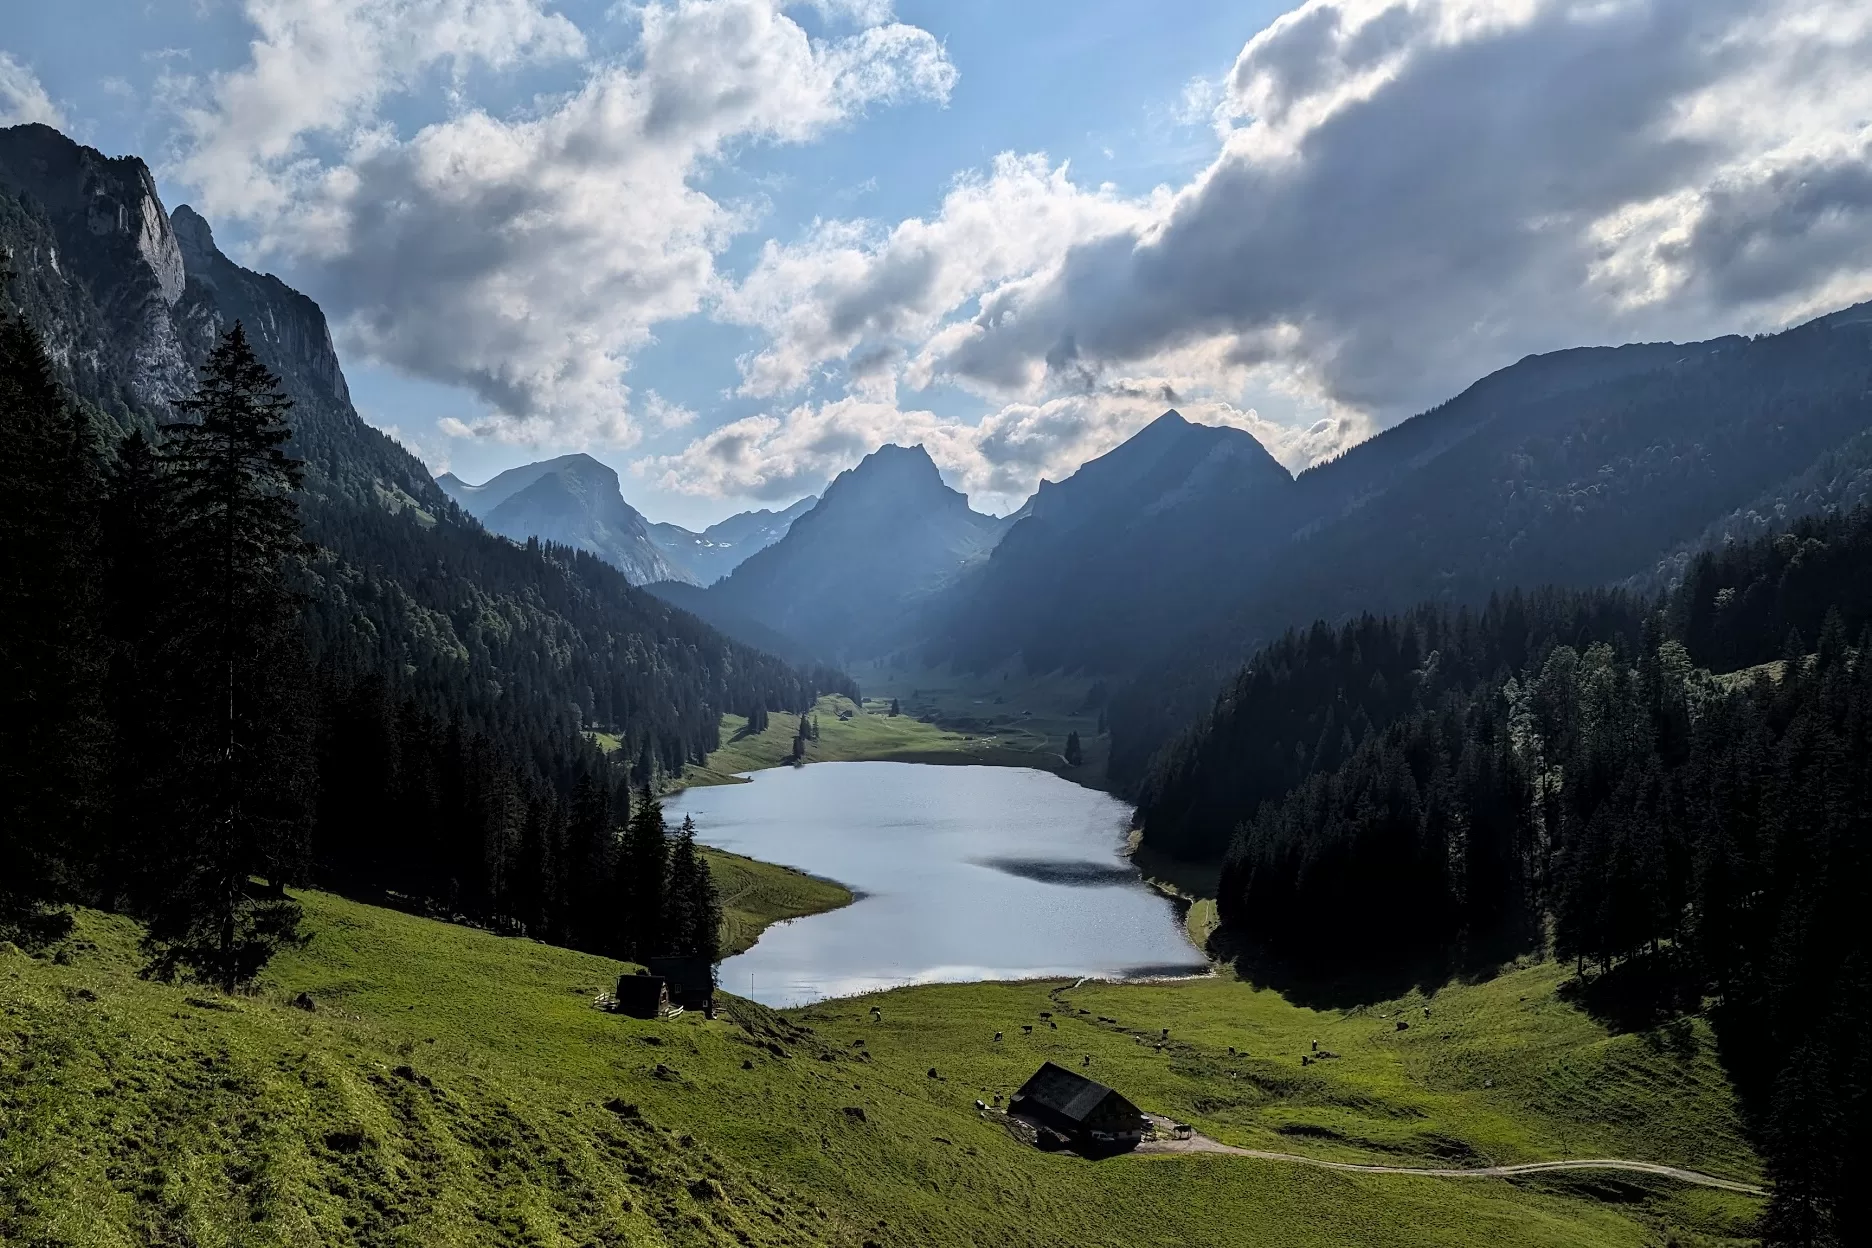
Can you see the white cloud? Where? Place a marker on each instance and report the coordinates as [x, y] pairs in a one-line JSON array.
[[321, 68], [1414, 193], [22, 98], [849, 283], [997, 461], [527, 258]]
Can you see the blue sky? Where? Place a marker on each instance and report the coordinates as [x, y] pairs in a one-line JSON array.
[[729, 246]]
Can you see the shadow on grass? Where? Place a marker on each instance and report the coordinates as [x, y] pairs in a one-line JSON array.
[[1650, 993], [1342, 983]]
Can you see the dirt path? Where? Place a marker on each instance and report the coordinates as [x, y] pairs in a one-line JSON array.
[[1203, 1144]]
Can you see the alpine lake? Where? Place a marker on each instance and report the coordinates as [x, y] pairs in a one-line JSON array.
[[961, 873]]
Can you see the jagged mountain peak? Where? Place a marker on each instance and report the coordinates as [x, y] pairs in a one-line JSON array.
[[890, 468], [885, 534]]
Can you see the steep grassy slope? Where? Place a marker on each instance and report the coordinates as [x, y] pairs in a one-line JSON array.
[[452, 1086]]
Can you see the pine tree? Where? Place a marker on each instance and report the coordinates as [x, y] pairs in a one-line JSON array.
[[237, 673], [644, 872], [1075, 754], [695, 907], [138, 532], [51, 670]]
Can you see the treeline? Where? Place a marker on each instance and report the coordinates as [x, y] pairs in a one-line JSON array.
[[189, 720], [1458, 786]]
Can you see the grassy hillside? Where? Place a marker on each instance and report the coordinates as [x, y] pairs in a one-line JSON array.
[[451, 1086]]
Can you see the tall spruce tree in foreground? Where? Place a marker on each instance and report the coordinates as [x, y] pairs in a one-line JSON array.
[[694, 906], [138, 585], [643, 871], [51, 670], [235, 671]]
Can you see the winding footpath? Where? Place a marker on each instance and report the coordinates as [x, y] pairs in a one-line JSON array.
[[1203, 1144]]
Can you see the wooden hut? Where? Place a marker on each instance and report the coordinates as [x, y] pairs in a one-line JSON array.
[[691, 981], [1088, 1116], [643, 996]]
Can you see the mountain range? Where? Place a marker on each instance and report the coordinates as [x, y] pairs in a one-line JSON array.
[[576, 501]]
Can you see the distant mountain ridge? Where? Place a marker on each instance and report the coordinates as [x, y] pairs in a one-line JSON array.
[[577, 501], [722, 547], [850, 572], [573, 500]]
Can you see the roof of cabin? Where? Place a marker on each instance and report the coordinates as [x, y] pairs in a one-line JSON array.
[[1069, 1095]]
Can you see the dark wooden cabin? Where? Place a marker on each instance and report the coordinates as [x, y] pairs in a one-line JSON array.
[[691, 981], [643, 996], [1089, 1116]]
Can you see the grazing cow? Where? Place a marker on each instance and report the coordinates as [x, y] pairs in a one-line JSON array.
[[1053, 1025], [877, 1015], [997, 1037], [1086, 1060], [1027, 1028]]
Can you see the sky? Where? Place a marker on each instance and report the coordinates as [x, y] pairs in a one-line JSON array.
[[732, 246]]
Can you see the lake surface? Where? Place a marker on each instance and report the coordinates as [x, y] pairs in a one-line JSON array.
[[964, 873]]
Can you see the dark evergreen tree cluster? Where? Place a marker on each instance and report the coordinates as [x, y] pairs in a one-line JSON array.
[[1451, 786], [190, 718]]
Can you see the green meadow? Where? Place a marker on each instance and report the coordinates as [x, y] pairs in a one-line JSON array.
[[450, 1086]]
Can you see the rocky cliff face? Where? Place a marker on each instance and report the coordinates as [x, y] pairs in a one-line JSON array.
[[102, 225], [132, 299], [289, 328]]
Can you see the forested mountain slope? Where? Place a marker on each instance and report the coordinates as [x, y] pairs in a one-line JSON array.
[[1678, 791], [130, 303], [1588, 468], [1097, 569]]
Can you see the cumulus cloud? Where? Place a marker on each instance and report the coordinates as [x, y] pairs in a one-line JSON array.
[[22, 98], [1414, 192], [997, 460], [850, 283], [527, 258], [321, 68]]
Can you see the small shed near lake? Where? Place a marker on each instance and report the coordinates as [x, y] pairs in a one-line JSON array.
[[643, 995], [1089, 1116], [691, 981]]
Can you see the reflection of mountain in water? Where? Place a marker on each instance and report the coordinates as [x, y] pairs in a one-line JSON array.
[[1064, 871]]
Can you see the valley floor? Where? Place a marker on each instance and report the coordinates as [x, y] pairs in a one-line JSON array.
[[452, 1086], [987, 720]]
